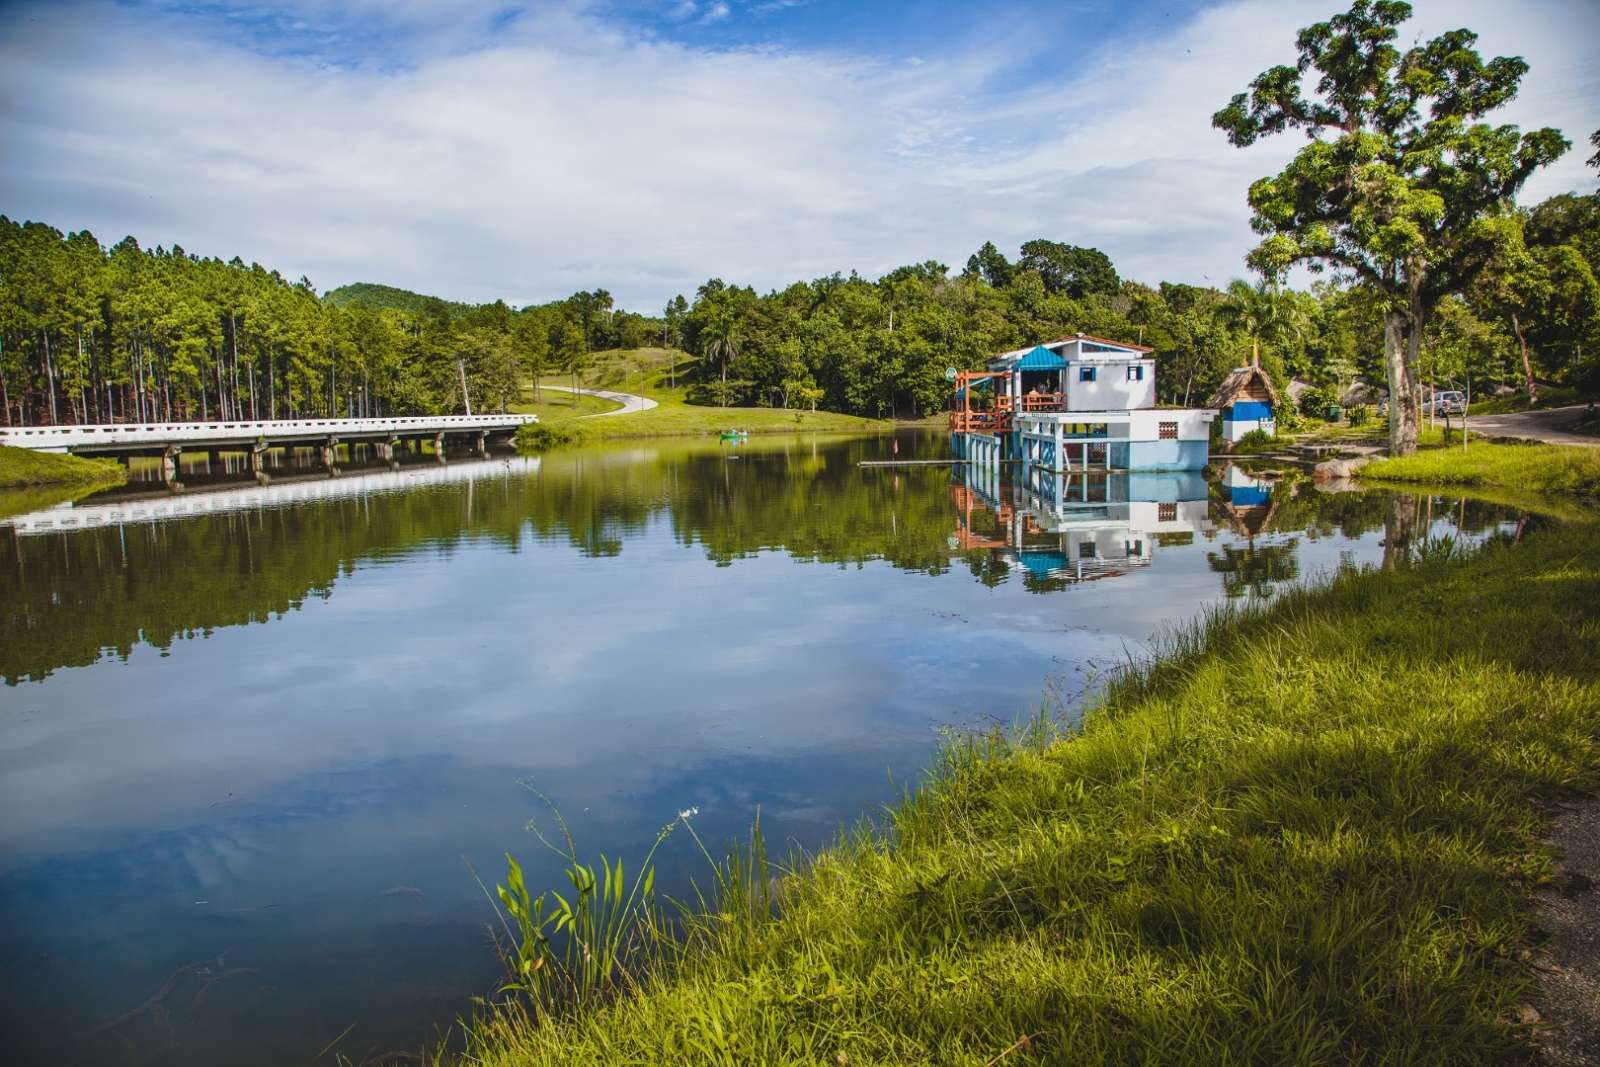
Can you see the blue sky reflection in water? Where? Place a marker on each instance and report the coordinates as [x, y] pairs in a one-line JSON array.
[[257, 744]]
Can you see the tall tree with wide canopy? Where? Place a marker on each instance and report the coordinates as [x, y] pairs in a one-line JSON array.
[[1068, 268], [1399, 177]]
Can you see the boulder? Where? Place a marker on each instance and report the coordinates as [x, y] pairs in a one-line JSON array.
[[1335, 469]]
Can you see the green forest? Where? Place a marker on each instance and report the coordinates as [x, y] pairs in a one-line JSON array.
[[96, 334]]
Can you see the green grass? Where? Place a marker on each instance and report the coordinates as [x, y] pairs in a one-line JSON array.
[[1373, 431], [1304, 835], [1549, 397], [675, 418], [645, 371], [554, 406], [659, 373], [1569, 469], [21, 467]]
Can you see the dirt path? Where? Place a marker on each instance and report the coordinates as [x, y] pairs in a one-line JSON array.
[[1552, 425], [1569, 978], [632, 403]]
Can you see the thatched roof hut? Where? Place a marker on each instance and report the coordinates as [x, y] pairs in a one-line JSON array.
[[1245, 383]]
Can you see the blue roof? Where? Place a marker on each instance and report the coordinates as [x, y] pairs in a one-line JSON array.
[[1041, 358]]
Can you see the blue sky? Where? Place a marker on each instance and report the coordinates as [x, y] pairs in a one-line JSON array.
[[487, 149]]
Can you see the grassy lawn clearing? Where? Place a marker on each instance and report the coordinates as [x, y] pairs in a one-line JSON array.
[[1569, 469], [645, 372], [555, 406]]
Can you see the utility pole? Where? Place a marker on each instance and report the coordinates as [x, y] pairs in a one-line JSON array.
[[466, 400]]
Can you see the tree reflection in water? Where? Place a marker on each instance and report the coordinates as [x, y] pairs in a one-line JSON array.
[[73, 597]]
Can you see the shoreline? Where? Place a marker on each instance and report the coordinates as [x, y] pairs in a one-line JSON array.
[[23, 468], [1305, 830], [583, 430]]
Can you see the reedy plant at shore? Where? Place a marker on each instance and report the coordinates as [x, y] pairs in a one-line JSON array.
[[566, 955]]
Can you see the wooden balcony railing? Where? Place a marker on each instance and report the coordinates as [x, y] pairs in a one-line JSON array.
[[980, 422]]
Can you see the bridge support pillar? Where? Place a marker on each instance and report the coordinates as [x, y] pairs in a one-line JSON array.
[[480, 444], [330, 455], [169, 466], [258, 461], [438, 446]]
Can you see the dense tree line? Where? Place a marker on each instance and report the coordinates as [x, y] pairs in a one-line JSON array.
[[880, 347], [95, 334]]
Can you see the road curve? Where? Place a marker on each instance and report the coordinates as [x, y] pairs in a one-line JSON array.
[[1551, 425], [632, 403]]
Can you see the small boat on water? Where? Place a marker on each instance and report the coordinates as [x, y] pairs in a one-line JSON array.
[[734, 435]]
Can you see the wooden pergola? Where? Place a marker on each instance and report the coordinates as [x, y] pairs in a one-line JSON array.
[[965, 420]]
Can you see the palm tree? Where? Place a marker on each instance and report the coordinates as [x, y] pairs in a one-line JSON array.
[[722, 343], [1251, 310]]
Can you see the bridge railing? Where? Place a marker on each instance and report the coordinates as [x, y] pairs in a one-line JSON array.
[[154, 433]]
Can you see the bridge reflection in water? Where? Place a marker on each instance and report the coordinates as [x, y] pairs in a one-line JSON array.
[[143, 504]]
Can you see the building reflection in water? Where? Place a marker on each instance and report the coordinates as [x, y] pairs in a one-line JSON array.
[[1077, 526]]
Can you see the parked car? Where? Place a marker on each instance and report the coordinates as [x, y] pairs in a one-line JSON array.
[[1445, 402]]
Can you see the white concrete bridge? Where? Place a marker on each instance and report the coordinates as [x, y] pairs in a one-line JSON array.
[[169, 439], [145, 438]]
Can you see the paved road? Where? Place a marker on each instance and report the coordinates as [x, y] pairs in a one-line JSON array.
[[1552, 425], [631, 403]]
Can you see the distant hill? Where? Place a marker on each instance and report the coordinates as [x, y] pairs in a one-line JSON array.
[[373, 295]]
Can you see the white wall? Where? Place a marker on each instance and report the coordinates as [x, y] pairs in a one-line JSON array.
[[1111, 390], [1233, 431], [1194, 424]]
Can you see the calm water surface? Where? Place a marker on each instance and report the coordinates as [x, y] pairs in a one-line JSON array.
[[250, 738]]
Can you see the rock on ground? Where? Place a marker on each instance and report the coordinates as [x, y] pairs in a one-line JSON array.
[[1335, 469]]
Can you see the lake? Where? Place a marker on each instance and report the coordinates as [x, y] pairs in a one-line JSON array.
[[250, 739]]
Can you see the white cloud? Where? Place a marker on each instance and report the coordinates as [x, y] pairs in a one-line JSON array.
[[567, 153]]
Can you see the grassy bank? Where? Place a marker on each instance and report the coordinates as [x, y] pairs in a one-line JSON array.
[[686, 420], [553, 406], [1549, 397], [23, 467], [1304, 835], [1569, 469], [663, 376]]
